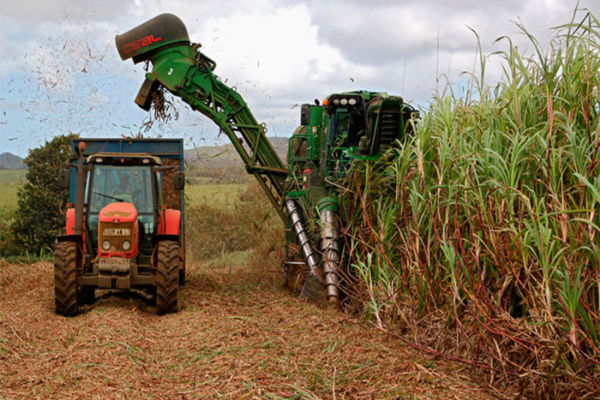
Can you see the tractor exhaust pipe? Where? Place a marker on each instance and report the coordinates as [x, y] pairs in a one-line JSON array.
[[79, 190], [313, 289]]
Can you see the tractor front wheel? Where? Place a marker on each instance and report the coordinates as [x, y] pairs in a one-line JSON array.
[[65, 279], [167, 277]]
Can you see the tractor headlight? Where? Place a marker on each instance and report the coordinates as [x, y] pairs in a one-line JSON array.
[[105, 245], [352, 102], [344, 102], [126, 245]]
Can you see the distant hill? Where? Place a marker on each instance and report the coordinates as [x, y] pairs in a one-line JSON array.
[[10, 161], [226, 156]]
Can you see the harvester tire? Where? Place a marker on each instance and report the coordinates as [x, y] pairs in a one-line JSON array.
[[65, 279], [167, 277]]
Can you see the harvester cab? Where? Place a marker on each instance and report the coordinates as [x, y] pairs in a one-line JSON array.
[[347, 127], [121, 234]]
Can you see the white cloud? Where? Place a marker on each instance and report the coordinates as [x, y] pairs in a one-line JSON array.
[[268, 49]]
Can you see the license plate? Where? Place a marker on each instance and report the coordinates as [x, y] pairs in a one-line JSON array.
[[116, 232]]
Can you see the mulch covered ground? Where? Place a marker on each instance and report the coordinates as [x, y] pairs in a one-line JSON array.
[[239, 335]]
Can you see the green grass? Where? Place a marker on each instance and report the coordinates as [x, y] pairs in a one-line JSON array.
[[10, 182], [12, 176], [220, 196], [229, 222]]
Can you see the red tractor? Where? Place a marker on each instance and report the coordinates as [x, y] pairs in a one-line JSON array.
[[124, 230]]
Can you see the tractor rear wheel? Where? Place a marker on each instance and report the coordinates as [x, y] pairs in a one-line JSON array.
[[167, 277], [65, 279]]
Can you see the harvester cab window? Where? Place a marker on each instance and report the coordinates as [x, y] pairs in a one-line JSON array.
[[347, 129]]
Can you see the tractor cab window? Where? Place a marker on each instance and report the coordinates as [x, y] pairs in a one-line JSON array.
[[111, 184]]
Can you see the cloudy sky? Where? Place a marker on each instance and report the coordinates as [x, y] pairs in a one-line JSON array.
[[60, 71]]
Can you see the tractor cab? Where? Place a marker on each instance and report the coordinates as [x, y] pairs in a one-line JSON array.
[[132, 179]]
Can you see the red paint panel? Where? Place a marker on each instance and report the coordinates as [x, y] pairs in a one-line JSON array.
[[169, 222], [71, 221]]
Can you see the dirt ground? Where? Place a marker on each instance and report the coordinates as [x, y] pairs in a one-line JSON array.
[[239, 335]]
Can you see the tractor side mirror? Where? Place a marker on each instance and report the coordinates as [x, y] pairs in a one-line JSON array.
[[179, 180], [64, 178], [305, 115]]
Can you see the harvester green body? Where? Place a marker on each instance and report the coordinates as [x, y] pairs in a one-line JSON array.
[[346, 127]]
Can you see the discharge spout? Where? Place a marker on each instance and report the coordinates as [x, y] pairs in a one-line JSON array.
[[143, 41]]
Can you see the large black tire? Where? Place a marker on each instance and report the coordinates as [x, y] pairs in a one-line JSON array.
[[167, 277], [65, 279]]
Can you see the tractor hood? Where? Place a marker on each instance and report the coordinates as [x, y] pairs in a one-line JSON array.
[[118, 231], [118, 213]]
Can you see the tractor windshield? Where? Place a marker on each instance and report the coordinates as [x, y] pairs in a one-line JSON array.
[[115, 184], [132, 184]]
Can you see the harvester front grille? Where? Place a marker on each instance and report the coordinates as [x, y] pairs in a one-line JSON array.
[[389, 124]]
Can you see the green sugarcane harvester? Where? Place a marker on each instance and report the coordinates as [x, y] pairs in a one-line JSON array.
[[344, 128]]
